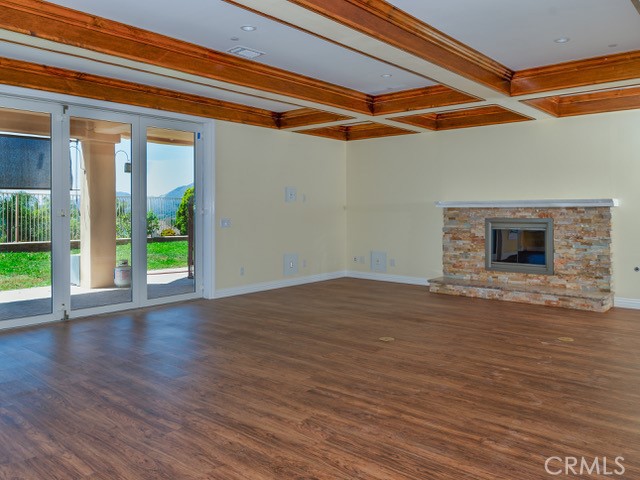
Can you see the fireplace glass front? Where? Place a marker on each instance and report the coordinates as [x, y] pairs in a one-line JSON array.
[[519, 245]]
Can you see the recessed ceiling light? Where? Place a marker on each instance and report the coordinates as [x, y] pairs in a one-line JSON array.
[[248, 28], [246, 52], [386, 75], [562, 40], [234, 39], [613, 45]]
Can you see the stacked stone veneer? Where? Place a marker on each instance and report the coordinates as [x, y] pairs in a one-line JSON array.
[[582, 258]]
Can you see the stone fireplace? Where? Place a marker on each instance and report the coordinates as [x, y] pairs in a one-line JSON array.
[[581, 272]]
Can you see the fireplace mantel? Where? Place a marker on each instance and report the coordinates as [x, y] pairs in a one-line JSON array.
[[579, 203]]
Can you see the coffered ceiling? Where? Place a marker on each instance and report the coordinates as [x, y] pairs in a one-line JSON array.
[[342, 69]]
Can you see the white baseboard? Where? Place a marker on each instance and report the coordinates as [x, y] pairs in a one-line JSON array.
[[627, 303], [385, 277], [288, 282], [292, 282]]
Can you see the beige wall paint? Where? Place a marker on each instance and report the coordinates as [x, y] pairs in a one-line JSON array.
[[392, 184], [253, 166]]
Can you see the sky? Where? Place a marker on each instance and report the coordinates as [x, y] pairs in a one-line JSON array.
[[168, 167]]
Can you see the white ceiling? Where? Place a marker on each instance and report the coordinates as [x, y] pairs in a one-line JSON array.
[[520, 34], [213, 23]]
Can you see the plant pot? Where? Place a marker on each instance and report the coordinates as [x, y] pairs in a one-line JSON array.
[[122, 275]]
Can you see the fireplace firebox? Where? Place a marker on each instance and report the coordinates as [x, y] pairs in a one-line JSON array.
[[519, 245]]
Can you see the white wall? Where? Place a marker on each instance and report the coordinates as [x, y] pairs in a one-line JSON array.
[[253, 166], [392, 184]]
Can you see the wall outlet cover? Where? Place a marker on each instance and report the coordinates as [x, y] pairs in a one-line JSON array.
[[290, 194], [379, 262], [290, 264]]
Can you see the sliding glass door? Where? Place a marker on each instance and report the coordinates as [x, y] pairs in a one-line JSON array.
[[100, 212], [170, 213], [25, 213], [97, 211]]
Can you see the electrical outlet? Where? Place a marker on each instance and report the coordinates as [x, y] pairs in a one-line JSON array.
[[290, 261], [355, 259], [241, 271], [379, 262], [290, 194]]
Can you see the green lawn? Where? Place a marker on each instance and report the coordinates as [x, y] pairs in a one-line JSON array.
[[24, 270], [33, 269]]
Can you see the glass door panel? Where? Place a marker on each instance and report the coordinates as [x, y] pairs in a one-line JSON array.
[[170, 190], [100, 212], [25, 214]]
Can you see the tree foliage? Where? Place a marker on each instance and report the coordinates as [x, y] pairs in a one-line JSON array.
[[153, 223], [184, 209], [123, 219]]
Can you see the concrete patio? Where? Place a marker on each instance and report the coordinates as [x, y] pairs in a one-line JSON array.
[[37, 301]]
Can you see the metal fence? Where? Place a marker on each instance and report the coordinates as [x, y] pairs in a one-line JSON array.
[[26, 217]]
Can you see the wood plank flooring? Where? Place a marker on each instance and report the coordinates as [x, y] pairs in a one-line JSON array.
[[295, 384]]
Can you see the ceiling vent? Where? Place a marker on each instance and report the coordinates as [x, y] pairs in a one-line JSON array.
[[245, 52]]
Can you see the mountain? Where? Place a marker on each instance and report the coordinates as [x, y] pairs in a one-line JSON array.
[[177, 192]]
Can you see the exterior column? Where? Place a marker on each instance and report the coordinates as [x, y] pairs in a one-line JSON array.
[[98, 215]]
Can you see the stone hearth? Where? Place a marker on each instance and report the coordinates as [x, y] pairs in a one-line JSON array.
[[582, 260]]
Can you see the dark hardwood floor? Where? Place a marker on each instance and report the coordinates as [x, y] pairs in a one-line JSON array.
[[295, 384]]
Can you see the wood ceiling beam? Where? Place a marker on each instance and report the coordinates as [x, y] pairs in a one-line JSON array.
[[478, 117], [589, 103], [546, 104], [307, 116], [357, 132], [58, 80], [335, 133], [384, 22], [469, 117], [426, 120], [374, 130], [592, 71], [419, 98], [70, 27]]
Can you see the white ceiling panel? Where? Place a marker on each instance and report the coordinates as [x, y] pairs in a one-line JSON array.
[[521, 34], [215, 23]]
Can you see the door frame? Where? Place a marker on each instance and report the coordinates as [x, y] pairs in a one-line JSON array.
[[61, 107], [59, 210], [134, 121], [140, 247]]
